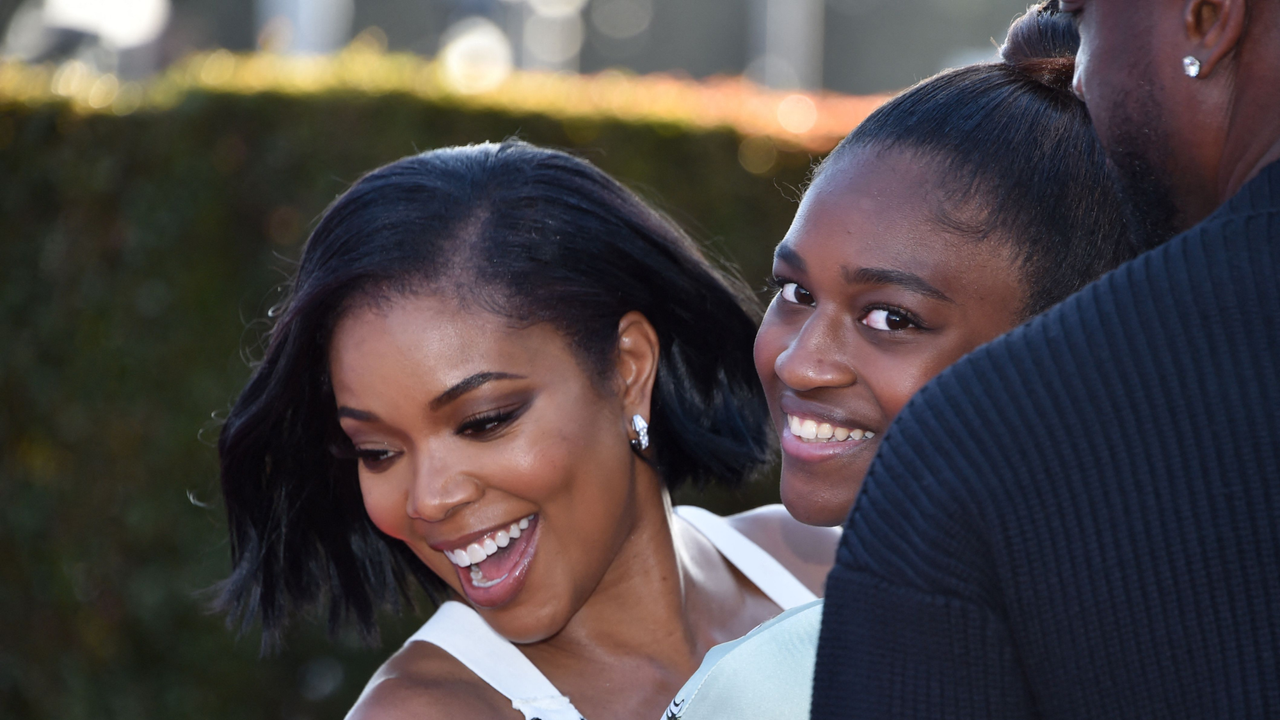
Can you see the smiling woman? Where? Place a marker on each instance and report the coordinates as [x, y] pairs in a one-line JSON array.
[[964, 206], [494, 366]]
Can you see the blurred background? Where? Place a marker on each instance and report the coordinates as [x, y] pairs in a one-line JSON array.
[[848, 46], [161, 163]]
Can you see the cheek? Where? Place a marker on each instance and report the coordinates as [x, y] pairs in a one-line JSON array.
[[894, 380], [386, 504]]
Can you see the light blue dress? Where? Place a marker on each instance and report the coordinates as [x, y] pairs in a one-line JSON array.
[[766, 674]]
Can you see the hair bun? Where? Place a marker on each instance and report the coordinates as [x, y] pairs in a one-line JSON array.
[[1042, 45]]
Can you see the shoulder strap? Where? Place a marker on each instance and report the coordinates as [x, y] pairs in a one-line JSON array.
[[760, 567], [460, 631]]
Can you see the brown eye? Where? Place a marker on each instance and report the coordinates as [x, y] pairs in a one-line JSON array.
[[888, 320], [375, 459], [793, 292]]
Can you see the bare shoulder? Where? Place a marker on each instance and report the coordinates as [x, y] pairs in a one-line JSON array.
[[807, 551], [423, 682]]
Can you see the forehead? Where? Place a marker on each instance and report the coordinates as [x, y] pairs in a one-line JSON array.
[[877, 209], [428, 343]]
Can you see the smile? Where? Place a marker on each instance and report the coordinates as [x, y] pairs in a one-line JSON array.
[[492, 568], [480, 550], [812, 431]]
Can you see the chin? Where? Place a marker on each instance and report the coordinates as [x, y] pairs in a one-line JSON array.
[[818, 502]]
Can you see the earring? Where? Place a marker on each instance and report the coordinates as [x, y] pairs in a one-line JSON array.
[[1191, 66], [640, 442]]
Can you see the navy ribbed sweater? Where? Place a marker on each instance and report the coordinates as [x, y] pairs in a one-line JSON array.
[[1082, 518]]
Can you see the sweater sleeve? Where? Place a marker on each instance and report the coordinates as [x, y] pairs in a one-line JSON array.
[[935, 656], [914, 626]]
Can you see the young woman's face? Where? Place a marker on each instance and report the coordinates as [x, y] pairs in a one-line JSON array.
[[873, 301], [490, 452]]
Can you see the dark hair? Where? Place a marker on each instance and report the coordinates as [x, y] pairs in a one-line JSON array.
[[1017, 157], [535, 235]]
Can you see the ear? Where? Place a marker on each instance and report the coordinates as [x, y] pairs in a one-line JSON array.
[[637, 363], [1214, 29]]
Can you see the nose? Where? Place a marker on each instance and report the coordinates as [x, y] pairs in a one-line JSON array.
[[817, 356], [440, 488]]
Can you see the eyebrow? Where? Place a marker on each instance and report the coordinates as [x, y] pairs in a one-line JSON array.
[[444, 398], [469, 384], [361, 415], [788, 255], [901, 278]]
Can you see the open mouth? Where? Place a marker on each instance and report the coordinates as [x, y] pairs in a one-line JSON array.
[[492, 568], [812, 431]]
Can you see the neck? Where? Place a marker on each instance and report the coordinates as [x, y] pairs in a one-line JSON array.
[[1253, 131], [1240, 173], [644, 606]]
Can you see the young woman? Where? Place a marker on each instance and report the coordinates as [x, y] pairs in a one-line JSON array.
[[495, 364], [968, 204]]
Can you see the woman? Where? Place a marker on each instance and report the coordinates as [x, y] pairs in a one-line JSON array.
[[494, 366], [966, 205]]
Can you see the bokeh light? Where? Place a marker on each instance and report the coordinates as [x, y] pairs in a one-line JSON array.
[[476, 56], [120, 23], [621, 19], [554, 40], [797, 114], [557, 8]]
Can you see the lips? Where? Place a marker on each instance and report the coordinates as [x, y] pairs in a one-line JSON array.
[[492, 567], [813, 433], [809, 430]]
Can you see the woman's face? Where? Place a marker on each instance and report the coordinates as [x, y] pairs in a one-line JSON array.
[[874, 300], [490, 452]]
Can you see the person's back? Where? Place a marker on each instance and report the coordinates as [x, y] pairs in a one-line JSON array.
[[1082, 519]]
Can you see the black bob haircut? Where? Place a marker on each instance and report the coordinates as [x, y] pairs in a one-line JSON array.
[[1016, 156], [534, 235]]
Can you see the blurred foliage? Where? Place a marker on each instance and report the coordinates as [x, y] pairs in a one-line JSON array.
[[137, 253]]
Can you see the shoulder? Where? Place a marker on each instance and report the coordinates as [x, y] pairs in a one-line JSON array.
[[423, 682], [807, 551]]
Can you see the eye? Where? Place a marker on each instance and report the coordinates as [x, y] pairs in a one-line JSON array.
[[374, 457], [377, 458], [794, 293], [487, 424], [889, 320]]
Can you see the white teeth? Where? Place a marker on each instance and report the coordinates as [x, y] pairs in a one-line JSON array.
[[813, 431], [478, 551], [479, 580], [809, 430]]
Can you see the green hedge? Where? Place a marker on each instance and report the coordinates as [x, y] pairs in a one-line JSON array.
[[136, 255]]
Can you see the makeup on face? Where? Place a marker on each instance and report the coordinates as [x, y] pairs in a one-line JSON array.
[[480, 447], [873, 299]]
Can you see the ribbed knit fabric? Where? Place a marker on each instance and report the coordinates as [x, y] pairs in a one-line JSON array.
[[1082, 519]]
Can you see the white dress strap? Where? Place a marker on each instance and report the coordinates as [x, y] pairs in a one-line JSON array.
[[774, 580], [460, 631]]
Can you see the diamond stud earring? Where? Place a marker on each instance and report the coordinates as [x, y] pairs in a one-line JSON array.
[[640, 442], [1191, 66]]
